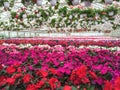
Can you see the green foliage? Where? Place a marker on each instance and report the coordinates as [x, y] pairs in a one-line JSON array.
[[52, 23], [69, 2], [13, 14]]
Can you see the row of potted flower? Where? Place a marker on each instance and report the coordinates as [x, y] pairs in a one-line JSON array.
[[36, 17], [58, 68], [64, 41]]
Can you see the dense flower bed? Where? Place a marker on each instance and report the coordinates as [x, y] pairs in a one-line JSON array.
[[44, 67], [66, 41]]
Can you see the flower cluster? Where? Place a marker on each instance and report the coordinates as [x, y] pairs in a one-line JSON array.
[[44, 67]]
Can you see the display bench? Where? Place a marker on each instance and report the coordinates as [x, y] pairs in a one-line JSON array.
[[39, 33]]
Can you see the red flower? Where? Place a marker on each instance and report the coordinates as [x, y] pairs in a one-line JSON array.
[[40, 84], [1, 67], [53, 71], [31, 87], [2, 80], [93, 75], [10, 70], [54, 83], [85, 80], [81, 72], [17, 16], [10, 81], [117, 84], [108, 86], [42, 73], [27, 78], [17, 75], [66, 87], [19, 70]]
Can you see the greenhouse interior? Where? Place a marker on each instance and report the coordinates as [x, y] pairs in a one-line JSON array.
[[59, 44]]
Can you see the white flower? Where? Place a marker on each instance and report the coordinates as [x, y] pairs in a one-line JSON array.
[[70, 17]]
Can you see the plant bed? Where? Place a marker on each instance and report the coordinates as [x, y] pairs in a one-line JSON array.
[[42, 67]]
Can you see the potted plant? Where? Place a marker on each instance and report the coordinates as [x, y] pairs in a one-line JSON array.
[[111, 11], [6, 3]]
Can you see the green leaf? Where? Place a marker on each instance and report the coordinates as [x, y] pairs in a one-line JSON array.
[[91, 88], [74, 88], [7, 87]]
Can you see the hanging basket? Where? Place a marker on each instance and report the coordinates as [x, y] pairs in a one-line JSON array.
[[75, 2], [39, 2], [53, 2], [87, 3], [108, 1], [6, 4]]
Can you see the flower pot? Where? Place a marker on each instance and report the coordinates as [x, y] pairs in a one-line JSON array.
[[87, 3], [108, 1], [75, 2], [111, 13], [39, 2], [6, 4], [53, 2]]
